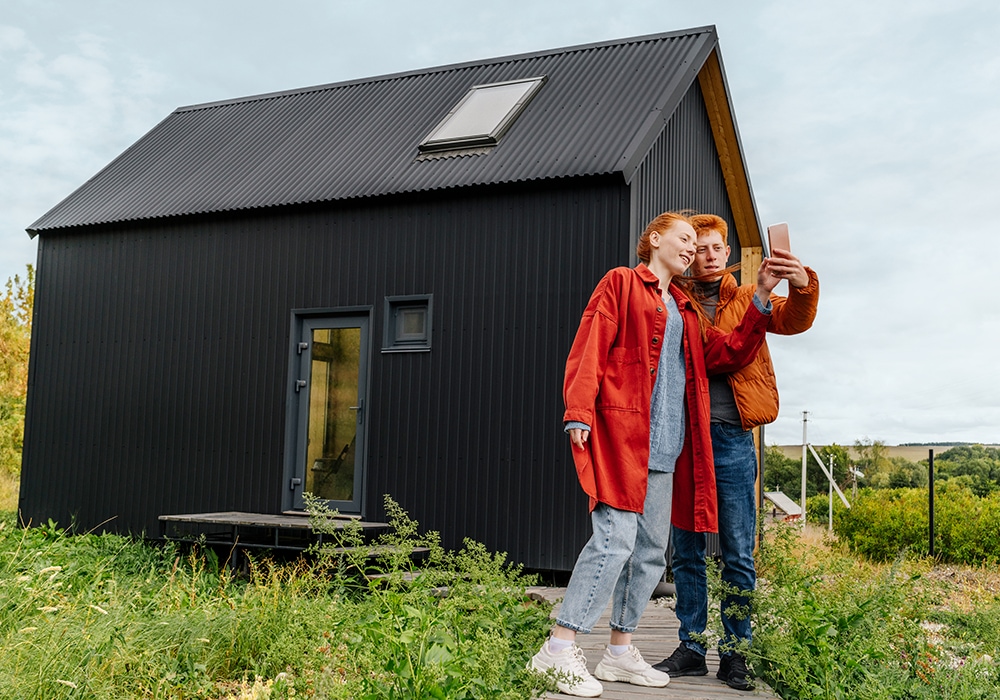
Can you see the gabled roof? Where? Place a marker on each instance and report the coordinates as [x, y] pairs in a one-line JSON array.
[[601, 107], [783, 503]]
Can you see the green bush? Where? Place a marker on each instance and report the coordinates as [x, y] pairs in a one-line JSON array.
[[883, 523]]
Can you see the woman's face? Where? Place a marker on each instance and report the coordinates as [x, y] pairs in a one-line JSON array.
[[674, 248]]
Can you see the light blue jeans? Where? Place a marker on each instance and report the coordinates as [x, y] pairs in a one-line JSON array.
[[623, 561]]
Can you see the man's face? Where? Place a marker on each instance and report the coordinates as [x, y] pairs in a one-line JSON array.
[[711, 255]]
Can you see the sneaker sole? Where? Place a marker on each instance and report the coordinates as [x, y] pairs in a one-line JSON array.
[[735, 685], [616, 675], [684, 672]]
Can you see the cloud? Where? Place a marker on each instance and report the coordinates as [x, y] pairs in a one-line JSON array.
[[869, 127], [64, 110]]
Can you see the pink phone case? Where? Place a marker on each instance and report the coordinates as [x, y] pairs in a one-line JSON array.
[[777, 237]]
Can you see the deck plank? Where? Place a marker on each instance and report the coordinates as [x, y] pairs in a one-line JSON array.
[[656, 638]]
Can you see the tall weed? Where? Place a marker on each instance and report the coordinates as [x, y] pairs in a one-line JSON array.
[[460, 627]]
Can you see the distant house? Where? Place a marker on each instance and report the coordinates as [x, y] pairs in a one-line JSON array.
[[778, 506], [364, 288]]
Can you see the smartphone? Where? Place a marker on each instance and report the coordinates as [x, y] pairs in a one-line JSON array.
[[777, 237]]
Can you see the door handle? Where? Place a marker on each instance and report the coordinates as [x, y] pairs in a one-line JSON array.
[[360, 408]]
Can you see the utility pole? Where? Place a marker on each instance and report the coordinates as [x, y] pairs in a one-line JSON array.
[[805, 419], [830, 524], [930, 496]]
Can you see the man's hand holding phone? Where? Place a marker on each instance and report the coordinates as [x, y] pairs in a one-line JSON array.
[[782, 263]]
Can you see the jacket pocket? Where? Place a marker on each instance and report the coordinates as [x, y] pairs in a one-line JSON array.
[[621, 387]]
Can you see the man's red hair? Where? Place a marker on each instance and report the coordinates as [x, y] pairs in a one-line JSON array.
[[703, 223]]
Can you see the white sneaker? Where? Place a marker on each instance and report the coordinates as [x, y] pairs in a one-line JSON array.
[[569, 668], [630, 668]]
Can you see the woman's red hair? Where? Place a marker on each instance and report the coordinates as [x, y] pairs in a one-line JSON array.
[[661, 223]]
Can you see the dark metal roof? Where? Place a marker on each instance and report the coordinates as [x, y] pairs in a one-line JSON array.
[[599, 112]]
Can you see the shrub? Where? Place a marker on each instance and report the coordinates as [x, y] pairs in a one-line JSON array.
[[883, 523]]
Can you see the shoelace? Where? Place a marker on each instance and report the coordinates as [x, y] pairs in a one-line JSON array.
[[638, 658], [578, 664]]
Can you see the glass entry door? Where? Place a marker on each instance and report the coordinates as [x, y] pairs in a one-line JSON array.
[[330, 416]]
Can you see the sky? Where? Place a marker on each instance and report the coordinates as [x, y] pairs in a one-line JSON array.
[[871, 126]]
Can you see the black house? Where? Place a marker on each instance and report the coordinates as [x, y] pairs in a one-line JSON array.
[[364, 288]]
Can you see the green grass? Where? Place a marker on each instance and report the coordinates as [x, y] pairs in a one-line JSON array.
[[107, 617], [103, 616]]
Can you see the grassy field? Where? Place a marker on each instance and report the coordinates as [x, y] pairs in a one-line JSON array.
[[108, 617], [830, 625]]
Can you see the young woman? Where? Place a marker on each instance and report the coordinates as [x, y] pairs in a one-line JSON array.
[[637, 415]]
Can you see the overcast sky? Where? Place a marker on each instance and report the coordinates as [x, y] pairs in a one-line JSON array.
[[871, 126]]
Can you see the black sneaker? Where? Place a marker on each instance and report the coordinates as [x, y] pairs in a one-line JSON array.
[[683, 662], [734, 672]]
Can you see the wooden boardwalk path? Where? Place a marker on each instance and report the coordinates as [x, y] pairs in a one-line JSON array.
[[656, 638]]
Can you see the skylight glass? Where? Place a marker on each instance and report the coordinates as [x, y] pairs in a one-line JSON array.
[[483, 115]]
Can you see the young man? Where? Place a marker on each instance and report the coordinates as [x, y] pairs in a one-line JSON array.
[[740, 401]]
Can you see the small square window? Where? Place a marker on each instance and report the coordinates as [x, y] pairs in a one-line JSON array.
[[407, 325]]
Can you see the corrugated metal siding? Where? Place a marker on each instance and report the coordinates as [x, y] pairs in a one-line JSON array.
[[682, 171], [159, 358], [360, 139]]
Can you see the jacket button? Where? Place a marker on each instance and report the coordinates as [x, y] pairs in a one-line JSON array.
[[659, 309], [655, 340], [652, 370]]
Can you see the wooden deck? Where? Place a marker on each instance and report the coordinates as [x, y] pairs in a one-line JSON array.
[[656, 638], [279, 531]]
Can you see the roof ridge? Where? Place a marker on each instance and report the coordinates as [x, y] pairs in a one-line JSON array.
[[705, 29]]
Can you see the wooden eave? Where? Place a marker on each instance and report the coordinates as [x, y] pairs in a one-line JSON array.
[[712, 81]]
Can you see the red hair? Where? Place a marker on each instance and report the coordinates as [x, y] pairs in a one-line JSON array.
[[703, 223], [660, 224]]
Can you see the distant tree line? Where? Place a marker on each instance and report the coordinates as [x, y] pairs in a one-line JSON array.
[[972, 465]]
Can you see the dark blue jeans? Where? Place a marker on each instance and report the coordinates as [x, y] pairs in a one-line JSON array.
[[735, 475]]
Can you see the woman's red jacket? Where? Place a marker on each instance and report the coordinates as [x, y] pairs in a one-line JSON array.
[[609, 381]]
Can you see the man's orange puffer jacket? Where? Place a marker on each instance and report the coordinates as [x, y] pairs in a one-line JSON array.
[[754, 386]]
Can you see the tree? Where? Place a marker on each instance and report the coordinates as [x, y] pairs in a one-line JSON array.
[[16, 305], [784, 474], [873, 459], [978, 465]]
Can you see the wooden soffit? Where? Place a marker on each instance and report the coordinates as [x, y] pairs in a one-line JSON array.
[[727, 144]]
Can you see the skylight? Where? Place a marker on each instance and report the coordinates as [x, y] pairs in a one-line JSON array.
[[482, 116]]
